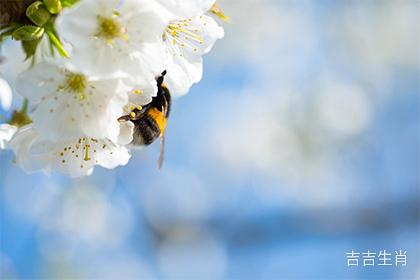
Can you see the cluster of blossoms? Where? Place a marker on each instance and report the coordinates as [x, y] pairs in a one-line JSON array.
[[92, 62]]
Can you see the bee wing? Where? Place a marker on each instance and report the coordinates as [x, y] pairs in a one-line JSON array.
[[162, 140], [162, 151]]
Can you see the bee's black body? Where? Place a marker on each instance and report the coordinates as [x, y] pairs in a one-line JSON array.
[[150, 121]]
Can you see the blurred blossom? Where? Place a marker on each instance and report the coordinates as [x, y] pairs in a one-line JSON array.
[[86, 216], [29, 201], [285, 34], [344, 108], [191, 253], [376, 39], [178, 196], [116, 266], [289, 139], [7, 270]]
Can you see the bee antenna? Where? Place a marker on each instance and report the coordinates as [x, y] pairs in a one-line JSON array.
[[164, 73]]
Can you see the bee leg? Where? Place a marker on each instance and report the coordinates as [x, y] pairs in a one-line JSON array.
[[125, 118]]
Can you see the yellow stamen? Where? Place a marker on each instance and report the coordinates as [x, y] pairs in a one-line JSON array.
[[138, 91], [215, 9], [87, 153], [175, 29]]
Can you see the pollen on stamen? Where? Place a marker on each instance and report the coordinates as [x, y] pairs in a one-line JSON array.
[[110, 29], [87, 158], [137, 91], [75, 83]]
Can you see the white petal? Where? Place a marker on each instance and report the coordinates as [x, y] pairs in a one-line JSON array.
[[182, 75], [5, 94], [143, 91], [39, 81], [6, 133], [181, 9], [21, 144], [126, 133], [186, 41]]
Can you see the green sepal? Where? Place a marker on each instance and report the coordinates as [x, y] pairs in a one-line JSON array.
[[54, 6], [68, 3], [28, 32], [20, 118], [55, 41], [38, 13], [29, 47]]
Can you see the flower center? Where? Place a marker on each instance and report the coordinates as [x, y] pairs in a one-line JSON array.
[[183, 35], [109, 29], [75, 83]]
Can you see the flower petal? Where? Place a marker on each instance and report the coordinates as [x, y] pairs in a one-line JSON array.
[[6, 133], [181, 9], [5, 94]]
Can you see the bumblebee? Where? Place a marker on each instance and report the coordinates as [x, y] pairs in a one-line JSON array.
[[150, 120]]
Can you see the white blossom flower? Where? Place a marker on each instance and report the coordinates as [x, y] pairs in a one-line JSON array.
[[109, 36], [76, 157], [142, 92], [5, 94], [69, 104], [6, 133], [186, 40], [117, 50]]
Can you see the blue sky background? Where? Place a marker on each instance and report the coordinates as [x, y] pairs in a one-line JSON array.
[[300, 144]]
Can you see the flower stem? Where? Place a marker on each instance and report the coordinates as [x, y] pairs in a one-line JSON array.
[[24, 108], [56, 42]]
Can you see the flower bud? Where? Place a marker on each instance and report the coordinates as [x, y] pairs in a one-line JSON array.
[[28, 32], [54, 6], [38, 13]]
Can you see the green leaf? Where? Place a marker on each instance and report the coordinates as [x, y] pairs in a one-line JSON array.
[[28, 32], [54, 6], [38, 13]]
